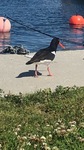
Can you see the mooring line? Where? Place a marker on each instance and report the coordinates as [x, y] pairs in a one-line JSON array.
[[28, 27]]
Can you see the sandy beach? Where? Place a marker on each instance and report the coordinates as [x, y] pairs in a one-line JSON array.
[[15, 76]]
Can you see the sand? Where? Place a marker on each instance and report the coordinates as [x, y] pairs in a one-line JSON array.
[[15, 76]]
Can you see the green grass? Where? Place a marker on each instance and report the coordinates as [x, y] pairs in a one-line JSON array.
[[45, 120]]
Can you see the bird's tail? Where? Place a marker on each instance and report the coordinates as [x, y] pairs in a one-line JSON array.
[[29, 56], [28, 63]]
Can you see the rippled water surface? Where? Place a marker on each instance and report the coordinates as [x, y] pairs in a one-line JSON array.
[[48, 16]]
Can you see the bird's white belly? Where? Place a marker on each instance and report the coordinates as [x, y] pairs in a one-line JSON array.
[[45, 62]]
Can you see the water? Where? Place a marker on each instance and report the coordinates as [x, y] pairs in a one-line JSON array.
[[48, 16]]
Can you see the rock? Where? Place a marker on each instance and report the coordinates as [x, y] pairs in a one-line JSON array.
[[15, 50]]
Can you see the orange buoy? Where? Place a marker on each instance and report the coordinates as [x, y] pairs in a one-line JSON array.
[[76, 20], [83, 21], [5, 25]]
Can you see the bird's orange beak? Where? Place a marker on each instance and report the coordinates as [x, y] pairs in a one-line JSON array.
[[62, 45]]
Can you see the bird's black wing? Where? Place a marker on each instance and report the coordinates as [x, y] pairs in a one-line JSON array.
[[40, 55]]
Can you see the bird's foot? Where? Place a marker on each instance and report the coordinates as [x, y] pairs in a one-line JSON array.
[[36, 76], [50, 74]]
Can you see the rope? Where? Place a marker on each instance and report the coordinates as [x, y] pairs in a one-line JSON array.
[[28, 27]]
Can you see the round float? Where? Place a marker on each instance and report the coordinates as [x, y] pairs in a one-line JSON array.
[[5, 25], [76, 20]]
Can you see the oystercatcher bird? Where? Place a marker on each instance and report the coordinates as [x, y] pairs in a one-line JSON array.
[[45, 56]]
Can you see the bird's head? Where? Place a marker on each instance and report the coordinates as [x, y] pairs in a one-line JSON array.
[[54, 43]]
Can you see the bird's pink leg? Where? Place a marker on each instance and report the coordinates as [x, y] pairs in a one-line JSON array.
[[36, 70], [50, 74]]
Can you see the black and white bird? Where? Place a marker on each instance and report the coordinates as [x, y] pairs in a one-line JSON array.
[[45, 56]]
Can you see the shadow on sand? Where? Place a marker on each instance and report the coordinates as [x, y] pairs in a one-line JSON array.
[[28, 74]]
